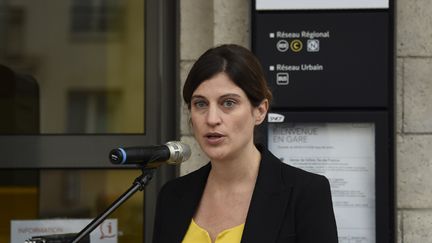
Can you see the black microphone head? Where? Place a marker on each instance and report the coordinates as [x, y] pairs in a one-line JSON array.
[[173, 153], [117, 156], [179, 152]]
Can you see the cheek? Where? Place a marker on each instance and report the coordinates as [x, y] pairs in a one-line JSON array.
[[245, 124], [194, 123]]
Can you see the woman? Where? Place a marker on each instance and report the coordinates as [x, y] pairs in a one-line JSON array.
[[245, 194]]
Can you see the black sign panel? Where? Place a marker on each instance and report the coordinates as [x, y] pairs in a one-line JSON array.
[[321, 59]]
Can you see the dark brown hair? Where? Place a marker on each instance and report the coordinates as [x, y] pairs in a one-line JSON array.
[[241, 66]]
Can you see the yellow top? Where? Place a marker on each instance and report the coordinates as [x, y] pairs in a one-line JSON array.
[[196, 234]]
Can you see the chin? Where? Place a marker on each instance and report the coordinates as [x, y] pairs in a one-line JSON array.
[[215, 153]]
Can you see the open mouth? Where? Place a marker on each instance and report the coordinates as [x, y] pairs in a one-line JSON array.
[[214, 137]]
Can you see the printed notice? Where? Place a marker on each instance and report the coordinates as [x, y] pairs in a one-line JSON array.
[[345, 154]]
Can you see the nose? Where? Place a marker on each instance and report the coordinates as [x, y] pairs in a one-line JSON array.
[[213, 116]]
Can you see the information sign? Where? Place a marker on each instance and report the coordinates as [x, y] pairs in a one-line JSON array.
[[345, 154], [320, 4], [320, 59], [22, 230]]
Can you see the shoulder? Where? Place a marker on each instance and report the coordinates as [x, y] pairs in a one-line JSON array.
[[183, 183], [306, 189], [303, 184], [311, 204], [291, 175], [301, 178]]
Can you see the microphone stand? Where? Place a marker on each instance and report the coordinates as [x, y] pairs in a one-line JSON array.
[[139, 184]]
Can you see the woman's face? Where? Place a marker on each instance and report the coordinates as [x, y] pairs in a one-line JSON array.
[[223, 118]]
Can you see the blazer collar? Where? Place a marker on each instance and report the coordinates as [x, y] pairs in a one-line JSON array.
[[187, 200], [269, 201], [266, 210]]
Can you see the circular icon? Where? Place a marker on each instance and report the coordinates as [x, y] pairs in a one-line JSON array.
[[296, 45], [282, 45]]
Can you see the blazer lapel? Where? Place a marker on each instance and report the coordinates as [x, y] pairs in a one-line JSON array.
[[269, 202], [185, 203]]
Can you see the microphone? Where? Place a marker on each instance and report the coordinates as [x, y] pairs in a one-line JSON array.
[[173, 152]]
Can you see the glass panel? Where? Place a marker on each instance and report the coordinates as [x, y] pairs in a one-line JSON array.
[[345, 154], [70, 194], [76, 65], [18, 198]]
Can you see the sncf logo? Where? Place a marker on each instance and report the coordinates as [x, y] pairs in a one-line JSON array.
[[274, 118]]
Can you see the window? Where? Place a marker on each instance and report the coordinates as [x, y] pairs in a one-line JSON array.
[[82, 77], [96, 16]]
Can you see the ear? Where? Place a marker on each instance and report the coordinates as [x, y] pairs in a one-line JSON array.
[[260, 112]]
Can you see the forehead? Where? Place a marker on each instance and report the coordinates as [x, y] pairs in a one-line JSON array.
[[220, 84]]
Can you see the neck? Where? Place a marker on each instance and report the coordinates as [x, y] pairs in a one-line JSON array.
[[237, 171]]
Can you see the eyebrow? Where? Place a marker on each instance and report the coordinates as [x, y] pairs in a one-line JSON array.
[[197, 97], [230, 95], [223, 96]]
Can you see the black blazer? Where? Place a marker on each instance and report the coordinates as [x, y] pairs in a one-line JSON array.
[[288, 205]]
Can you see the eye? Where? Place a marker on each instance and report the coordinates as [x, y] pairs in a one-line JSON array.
[[200, 104], [229, 103]]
